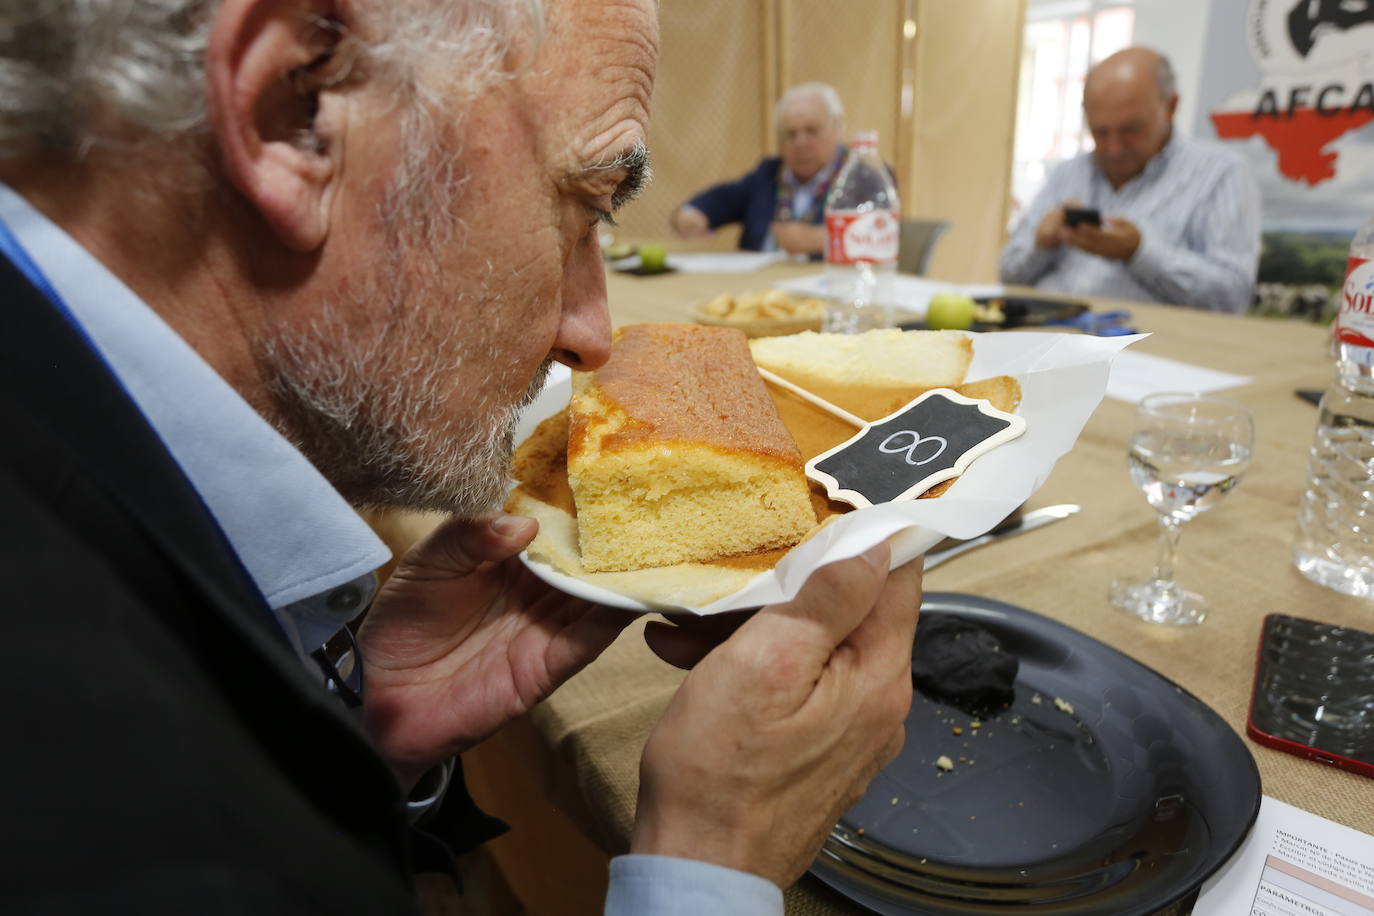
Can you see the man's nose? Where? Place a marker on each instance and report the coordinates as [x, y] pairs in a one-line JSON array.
[[584, 325]]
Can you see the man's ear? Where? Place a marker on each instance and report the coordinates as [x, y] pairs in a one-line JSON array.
[[266, 69]]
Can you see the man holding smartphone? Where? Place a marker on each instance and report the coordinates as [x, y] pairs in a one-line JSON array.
[[1146, 215]]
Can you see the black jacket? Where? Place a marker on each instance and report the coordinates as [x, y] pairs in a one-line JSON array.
[[165, 750]]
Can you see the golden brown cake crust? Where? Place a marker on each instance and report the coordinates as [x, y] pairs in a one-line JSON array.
[[721, 400]]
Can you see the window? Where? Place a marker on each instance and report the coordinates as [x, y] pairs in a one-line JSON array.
[[1063, 39]]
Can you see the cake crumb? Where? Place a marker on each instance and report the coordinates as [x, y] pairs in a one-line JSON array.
[[860, 831], [894, 800], [1036, 699], [1063, 705], [957, 730], [944, 763], [975, 724]]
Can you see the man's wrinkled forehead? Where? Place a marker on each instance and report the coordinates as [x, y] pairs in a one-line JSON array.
[[806, 108], [1120, 88], [595, 73], [1121, 102]]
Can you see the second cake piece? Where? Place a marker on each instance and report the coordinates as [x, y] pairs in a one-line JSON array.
[[869, 374], [676, 453]]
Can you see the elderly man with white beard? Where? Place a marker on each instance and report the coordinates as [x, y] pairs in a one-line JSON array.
[[266, 261]]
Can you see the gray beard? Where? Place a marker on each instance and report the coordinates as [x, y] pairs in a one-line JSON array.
[[375, 413]]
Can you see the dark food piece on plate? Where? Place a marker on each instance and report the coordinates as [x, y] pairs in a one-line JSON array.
[[958, 662]]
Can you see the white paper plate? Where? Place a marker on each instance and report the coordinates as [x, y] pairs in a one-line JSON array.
[[1062, 377]]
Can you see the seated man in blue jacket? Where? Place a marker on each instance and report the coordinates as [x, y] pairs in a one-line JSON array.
[[780, 203]]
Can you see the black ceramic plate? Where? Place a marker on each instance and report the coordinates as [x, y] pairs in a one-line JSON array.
[[1120, 798]]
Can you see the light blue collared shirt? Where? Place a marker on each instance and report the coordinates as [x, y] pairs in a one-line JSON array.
[[296, 536], [299, 540], [662, 886], [1198, 211]]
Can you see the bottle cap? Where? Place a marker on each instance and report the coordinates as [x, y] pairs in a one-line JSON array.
[[865, 141]]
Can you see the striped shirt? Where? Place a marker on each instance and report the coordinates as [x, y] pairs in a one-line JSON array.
[[1197, 208]]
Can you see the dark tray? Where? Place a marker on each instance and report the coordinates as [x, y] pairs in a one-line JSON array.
[[642, 271], [1020, 312], [1122, 806]]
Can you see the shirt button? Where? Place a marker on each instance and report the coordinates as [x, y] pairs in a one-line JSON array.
[[344, 600]]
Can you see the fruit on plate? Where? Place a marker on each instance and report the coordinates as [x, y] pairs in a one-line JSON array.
[[949, 311], [617, 250], [653, 257]]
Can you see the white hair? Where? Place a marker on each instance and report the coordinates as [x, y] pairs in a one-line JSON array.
[[75, 74], [823, 91], [372, 412], [1164, 78]]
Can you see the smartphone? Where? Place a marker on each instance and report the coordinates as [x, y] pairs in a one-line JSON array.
[[1314, 692], [1074, 216]]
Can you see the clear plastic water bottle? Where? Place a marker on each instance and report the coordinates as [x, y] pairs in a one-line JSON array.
[[862, 225], [1335, 543]]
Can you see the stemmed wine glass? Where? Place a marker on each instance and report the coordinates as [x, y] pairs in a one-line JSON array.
[[1187, 451]]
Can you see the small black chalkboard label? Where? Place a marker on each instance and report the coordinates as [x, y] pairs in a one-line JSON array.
[[933, 438]]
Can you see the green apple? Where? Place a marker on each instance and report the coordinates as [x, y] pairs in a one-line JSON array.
[[949, 311], [653, 257]]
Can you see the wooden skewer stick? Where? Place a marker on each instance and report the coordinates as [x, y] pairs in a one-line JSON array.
[[810, 398]]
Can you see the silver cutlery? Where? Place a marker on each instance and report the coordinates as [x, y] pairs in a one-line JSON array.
[[1018, 525]]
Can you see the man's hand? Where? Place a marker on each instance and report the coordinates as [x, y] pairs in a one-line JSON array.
[[463, 638], [689, 222], [1116, 240], [1049, 234], [778, 731], [796, 237]]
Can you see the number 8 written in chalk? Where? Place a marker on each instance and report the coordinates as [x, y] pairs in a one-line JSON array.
[[890, 446]]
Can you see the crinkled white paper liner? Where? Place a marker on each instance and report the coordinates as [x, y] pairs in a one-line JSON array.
[[1063, 378]]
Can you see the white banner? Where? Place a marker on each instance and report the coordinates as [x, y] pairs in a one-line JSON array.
[[1290, 85]]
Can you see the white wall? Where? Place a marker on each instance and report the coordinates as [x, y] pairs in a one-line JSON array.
[[1178, 29]]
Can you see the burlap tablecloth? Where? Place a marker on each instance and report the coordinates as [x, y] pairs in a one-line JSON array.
[[1238, 555]]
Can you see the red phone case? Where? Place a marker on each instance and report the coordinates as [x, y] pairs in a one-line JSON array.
[[1294, 747]]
